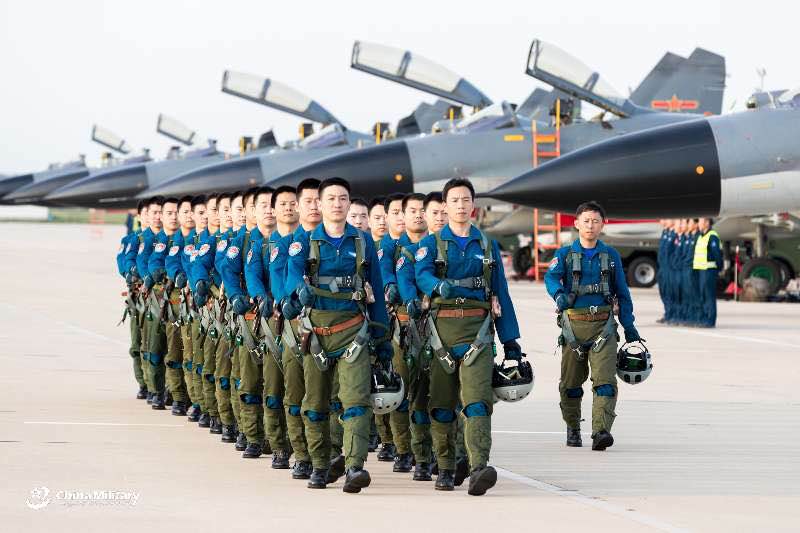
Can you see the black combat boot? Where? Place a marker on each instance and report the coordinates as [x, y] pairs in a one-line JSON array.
[[280, 460], [422, 472], [252, 451], [444, 481], [434, 467], [158, 401], [336, 469], [574, 438], [301, 470], [462, 471], [194, 413], [228, 434], [142, 394], [481, 479], [602, 440], [357, 478], [178, 408], [205, 421], [402, 463], [374, 440], [241, 442], [386, 452], [168, 399], [317, 479], [215, 425]]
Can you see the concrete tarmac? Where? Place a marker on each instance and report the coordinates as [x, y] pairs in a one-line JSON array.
[[709, 443]]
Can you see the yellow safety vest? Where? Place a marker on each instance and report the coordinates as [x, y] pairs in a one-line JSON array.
[[701, 261]]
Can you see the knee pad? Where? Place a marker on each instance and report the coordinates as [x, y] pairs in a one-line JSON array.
[[403, 408], [476, 409], [574, 393], [316, 416], [174, 365], [273, 402], [187, 366], [155, 359], [210, 378], [251, 399], [605, 390], [294, 410], [352, 412], [335, 407], [444, 416], [224, 383], [146, 356], [237, 383], [198, 369], [420, 417]]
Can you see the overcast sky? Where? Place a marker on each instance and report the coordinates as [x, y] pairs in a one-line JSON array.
[[68, 65]]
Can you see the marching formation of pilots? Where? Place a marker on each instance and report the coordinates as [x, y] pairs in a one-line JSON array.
[[689, 261], [299, 321]]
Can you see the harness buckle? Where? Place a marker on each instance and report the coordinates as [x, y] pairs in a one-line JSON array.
[[593, 310], [478, 282], [326, 331], [460, 301], [347, 281]]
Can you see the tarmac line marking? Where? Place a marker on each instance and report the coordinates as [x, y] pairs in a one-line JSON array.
[[75, 328], [740, 338], [597, 503], [120, 424], [512, 432]]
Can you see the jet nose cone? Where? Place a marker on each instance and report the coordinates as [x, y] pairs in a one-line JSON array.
[[661, 172], [116, 183], [39, 189], [372, 171], [231, 175], [7, 185]]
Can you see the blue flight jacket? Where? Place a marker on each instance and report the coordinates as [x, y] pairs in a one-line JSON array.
[[386, 251], [558, 279], [467, 263], [203, 265], [338, 261], [144, 251], [715, 251], [124, 246], [132, 250], [162, 245], [231, 265], [404, 271]]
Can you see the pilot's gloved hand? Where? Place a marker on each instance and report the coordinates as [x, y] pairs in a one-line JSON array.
[[201, 292], [180, 280], [264, 306], [512, 350], [291, 307], [306, 296], [445, 289], [148, 283], [631, 335], [240, 305], [414, 308], [393, 294], [384, 351], [565, 301]]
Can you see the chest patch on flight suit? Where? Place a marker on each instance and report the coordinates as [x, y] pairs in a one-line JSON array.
[[204, 249], [400, 263], [160, 247], [421, 253], [380, 254], [233, 252], [273, 254], [295, 248], [174, 250], [221, 245], [188, 249], [553, 263], [141, 247]]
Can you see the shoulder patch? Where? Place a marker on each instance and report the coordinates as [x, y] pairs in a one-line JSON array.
[[204, 249], [553, 263], [273, 254], [400, 262], [295, 248], [221, 245], [174, 250], [421, 253], [188, 249], [233, 252], [249, 255], [159, 247], [380, 254], [141, 247]]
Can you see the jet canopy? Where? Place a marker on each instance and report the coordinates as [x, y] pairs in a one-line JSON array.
[[554, 66], [274, 94], [790, 98], [330, 135], [495, 117], [407, 68], [110, 139], [175, 130]]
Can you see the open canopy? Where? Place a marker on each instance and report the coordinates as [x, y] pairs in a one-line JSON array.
[[109, 139], [176, 130]]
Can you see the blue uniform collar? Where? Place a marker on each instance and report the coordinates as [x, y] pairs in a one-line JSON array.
[[405, 240], [319, 233], [577, 248], [447, 234]]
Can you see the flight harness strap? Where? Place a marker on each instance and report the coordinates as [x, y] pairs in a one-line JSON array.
[[253, 348], [274, 344]]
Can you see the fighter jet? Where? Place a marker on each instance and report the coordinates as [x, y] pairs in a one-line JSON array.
[[495, 144], [117, 186], [745, 163], [264, 164]]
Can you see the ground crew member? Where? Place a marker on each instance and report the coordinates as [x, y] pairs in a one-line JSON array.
[[461, 269], [663, 267], [584, 279], [388, 255], [331, 272], [358, 215], [690, 295], [380, 428], [707, 264], [676, 279], [125, 261]]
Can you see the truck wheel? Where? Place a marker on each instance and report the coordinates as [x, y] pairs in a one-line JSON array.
[[521, 260], [786, 273], [642, 272], [766, 269]]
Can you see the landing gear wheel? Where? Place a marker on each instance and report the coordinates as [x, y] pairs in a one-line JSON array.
[[642, 272]]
